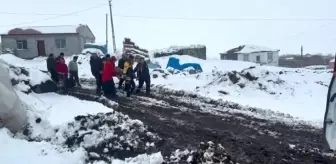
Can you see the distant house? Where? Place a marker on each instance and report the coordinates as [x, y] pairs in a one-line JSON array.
[[252, 53], [30, 42]]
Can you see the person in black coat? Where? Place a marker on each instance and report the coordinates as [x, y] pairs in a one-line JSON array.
[[51, 66], [143, 75], [121, 63], [129, 79], [97, 65]]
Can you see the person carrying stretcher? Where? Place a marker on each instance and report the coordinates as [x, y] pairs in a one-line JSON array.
[[128, 75]]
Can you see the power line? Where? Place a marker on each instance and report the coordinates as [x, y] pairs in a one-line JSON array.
[[300, 33], [12, 13], [228, 19], [62, 15], [187, 18]]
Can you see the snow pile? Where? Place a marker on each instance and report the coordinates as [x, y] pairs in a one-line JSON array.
[[207, 153], [26, 79], [16, 150], [227, 108], [12, 112], [317, 67], [300, 92], [103, 136], [90, 132]]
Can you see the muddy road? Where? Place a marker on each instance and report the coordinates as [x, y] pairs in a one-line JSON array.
[[246, 139]]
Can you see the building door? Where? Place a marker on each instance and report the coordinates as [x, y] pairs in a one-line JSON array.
[[41, 48], [258, 59]]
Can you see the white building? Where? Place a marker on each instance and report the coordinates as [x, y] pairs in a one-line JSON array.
[[252, 53]]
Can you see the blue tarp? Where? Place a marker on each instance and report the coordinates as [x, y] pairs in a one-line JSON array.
[[175, 63]]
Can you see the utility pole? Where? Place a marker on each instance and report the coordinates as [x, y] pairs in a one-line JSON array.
[[301, 56], [112, 27], [106, 22]]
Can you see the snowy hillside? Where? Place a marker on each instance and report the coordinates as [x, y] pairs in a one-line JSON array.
[[299, 92]]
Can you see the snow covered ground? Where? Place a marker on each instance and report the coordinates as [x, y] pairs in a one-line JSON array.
[[299, 92], [55, 118], [56, 122]]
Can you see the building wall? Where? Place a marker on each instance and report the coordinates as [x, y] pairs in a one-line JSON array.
[[252, 57], [73, 45], [86, 35]]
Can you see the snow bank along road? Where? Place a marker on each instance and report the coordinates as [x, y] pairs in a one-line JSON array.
[[184, 121]]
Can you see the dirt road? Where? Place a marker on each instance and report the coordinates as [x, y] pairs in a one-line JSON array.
[[246, 139]]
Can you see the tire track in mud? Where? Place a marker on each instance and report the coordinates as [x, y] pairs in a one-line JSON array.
[[247, 139]]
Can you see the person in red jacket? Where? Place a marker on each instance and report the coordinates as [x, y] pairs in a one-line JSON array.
[[62, 68], [107, 77], [60, 58]]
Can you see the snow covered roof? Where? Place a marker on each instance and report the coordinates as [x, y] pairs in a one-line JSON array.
[[173, 49], [246, 49], [332, 61], [44, 29]]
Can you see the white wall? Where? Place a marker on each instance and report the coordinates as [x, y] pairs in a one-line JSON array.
[[252, 57]]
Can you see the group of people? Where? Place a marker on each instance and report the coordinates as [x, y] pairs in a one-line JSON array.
[[104, 69], [61, 72]]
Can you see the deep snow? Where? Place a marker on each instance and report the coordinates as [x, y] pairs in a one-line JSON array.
[[63, 129], [300, 92]]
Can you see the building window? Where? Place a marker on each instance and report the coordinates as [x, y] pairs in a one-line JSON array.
[[60, 43], [269, 56], [246, 57], [21, 44], [258, 59]]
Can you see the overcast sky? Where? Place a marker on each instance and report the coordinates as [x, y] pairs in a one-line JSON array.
[[218, 34]]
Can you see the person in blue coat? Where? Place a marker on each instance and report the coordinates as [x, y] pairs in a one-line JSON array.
[[143, 75]]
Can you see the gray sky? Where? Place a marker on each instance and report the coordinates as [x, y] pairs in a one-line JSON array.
[[218, 35]]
